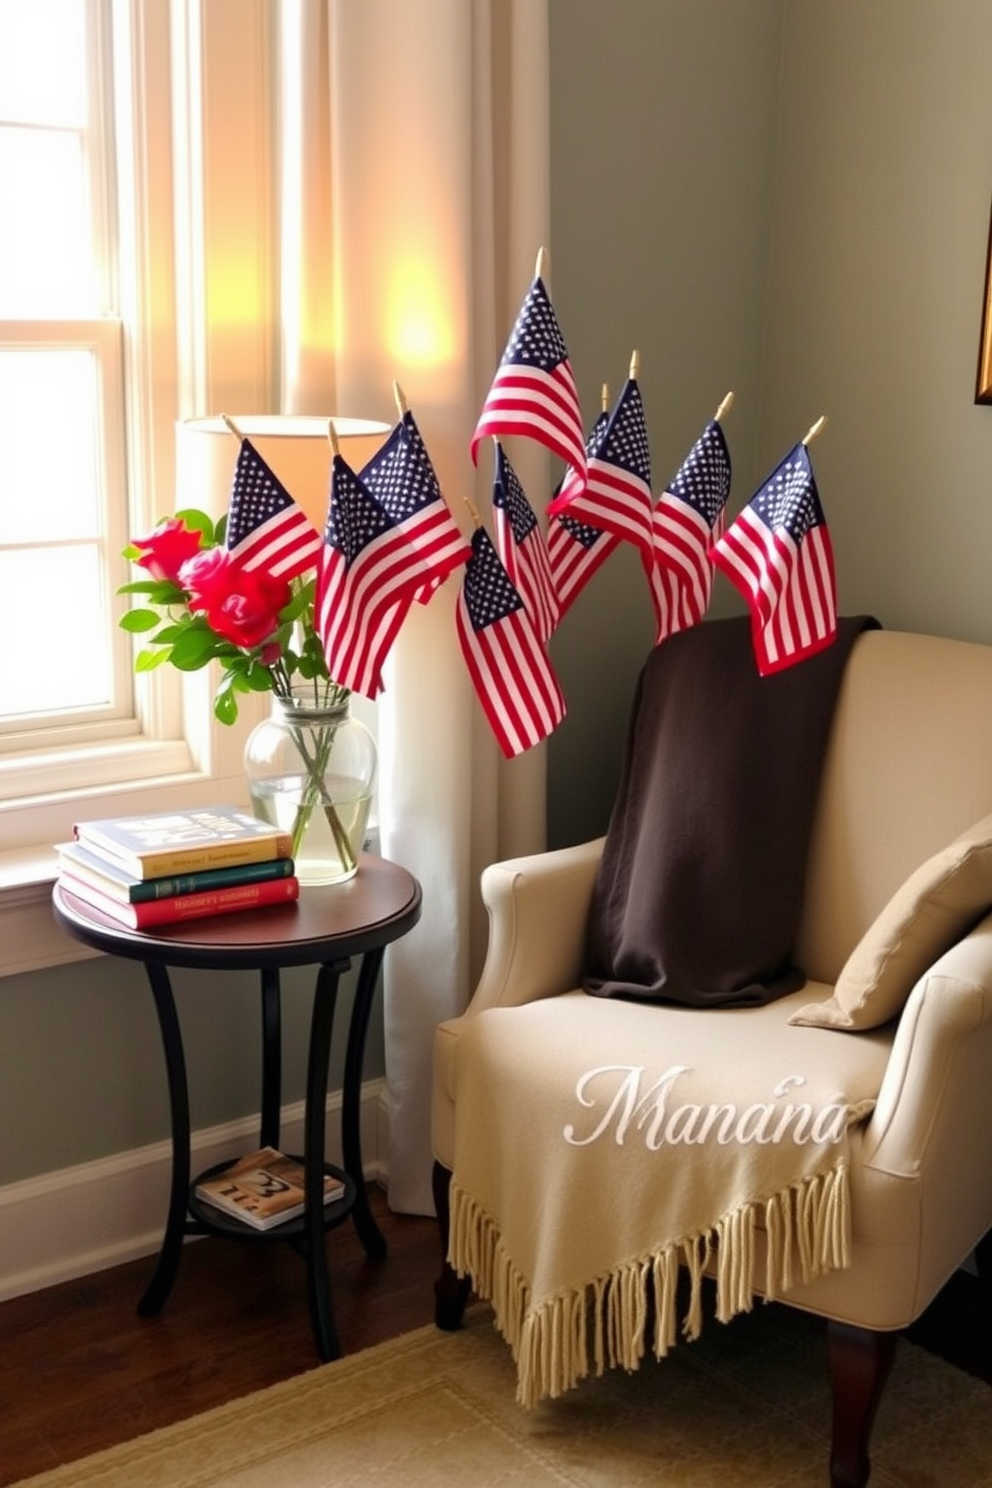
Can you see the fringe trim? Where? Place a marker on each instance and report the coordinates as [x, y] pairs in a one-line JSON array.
[[603, 1324]]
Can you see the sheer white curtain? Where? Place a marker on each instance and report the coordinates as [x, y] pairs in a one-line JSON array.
[[414, 183]]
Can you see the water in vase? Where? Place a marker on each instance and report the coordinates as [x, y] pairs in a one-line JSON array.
[[320, 857]]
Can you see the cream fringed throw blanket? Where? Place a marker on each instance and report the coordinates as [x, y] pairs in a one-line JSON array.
[[574, 1202]]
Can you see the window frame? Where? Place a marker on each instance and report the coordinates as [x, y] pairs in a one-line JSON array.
[[184, 138]]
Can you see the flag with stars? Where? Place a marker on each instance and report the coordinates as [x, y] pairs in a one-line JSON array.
[[778, 553], [266, 528], [367, 576], [401, 478], [534, 392], [576, 549], [617, 488], [688, 519], [509, 667], [617, 495], [522, 548]]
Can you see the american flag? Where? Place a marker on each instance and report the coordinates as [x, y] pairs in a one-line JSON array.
[[688, 518], [778, 553], [401, 478], [617, 494], [265, 527], [367, 576], [509, 667], [522, 547], [534, 392], [577, 549]]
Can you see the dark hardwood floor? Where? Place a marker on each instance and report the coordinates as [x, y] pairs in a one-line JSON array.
[[80, 1370]]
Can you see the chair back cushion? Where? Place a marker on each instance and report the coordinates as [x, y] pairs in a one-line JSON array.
[[908, 768]]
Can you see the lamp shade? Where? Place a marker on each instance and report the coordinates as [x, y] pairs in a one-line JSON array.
[[295, 447]]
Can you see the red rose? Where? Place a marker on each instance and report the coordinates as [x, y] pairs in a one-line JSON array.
[[241, 605], [170, 546]]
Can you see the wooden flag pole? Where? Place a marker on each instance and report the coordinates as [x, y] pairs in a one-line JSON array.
[[815, 429], [402, 405], [232, 426], [332, 438], [542, 262], [472, 512], [604, 397], [635, 365], [725, 407]]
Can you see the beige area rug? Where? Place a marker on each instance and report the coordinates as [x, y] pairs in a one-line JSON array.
[[746, 1405]]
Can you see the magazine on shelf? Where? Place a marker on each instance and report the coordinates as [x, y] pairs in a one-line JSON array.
[[167, 842], [263, 1189], [152, 912], [113, 879]]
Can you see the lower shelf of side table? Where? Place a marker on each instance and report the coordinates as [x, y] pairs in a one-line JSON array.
[[208, 1219]]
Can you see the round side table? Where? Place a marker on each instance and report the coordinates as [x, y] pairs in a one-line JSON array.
[[326, 928]]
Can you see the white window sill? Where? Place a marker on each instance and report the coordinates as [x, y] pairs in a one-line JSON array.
[[30, 940]]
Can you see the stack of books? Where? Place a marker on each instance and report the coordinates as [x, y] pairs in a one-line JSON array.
[[144, 871]]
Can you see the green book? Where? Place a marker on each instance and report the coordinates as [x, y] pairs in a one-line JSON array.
[[116, 882]]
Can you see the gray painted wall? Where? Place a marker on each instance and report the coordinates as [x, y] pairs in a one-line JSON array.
[[786, 197]]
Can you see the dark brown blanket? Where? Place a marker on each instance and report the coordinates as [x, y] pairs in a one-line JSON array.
[[701, 883]]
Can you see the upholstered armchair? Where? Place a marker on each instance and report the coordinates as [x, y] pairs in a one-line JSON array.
[[874, 1075]]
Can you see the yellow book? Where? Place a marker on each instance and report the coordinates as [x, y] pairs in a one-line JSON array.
[[183, 841]]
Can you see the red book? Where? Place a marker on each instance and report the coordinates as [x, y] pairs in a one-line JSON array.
[[151, 912]]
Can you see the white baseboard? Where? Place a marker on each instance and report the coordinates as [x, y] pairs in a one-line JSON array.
[[100, 1214]]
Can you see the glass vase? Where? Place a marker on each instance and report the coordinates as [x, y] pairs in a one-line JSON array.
[[311, 771]]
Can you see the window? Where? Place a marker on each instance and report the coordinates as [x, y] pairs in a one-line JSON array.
[[63, 513], [134, 182]]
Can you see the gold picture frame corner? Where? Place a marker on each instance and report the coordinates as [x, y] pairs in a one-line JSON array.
[[983, 381]]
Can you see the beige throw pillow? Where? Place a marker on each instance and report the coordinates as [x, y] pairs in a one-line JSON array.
[[925, 916]]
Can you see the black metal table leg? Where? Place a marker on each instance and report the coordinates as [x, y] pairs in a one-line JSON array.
[[271, 1058], [160, 1285], [318, 1283], [368, 1231]]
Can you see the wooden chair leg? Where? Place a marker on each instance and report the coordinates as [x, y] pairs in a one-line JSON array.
[[860, 1360], [451, 1291]]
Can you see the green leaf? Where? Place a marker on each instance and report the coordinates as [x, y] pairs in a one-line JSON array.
[[159, 591], [220, 531], [198, 521], [147, 661], [137, 621], [226, 707], [194, 648], [259, 679]]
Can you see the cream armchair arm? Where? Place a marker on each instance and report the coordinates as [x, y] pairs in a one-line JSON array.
[[939, 1057], [537, 908], [933, 1118]]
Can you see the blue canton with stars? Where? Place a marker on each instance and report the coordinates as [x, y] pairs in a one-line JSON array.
[[703, 481], [536, 340], [509, 494], [355, 518], [400, 475], [626, 440], [489, 594], [789, 498], [256, 496]]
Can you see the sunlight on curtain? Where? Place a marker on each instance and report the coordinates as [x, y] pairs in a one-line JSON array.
[[416, 196]]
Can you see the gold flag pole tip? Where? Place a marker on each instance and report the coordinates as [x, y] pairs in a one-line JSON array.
[[402, 405], [635, 365], [541, 264], [332, 437], [725, 407], [232, 426], [472, 512], [815, 429]]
